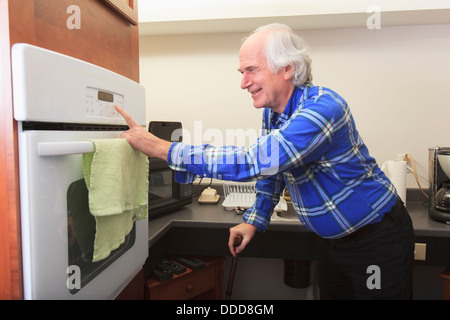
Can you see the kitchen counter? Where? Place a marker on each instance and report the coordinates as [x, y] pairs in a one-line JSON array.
[[213, 216], [203, 229]]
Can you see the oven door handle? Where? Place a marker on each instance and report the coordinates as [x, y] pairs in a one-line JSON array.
[[48, 149]]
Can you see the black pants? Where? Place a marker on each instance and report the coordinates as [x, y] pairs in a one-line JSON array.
[[375, 262]]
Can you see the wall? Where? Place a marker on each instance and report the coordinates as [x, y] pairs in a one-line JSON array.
[[395, 80], [195, 78]]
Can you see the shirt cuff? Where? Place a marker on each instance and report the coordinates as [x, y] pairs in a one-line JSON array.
[[260, 213], [175, 162]]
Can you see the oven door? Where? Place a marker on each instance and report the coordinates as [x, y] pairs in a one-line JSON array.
[[57, 229]]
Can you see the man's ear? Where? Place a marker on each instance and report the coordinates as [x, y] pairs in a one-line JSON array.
[[288, 72]]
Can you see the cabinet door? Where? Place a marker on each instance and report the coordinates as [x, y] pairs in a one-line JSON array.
[[102, 37], [126, 8]]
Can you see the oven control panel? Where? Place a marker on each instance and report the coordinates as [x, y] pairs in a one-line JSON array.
[[52, 87], [100, 103]]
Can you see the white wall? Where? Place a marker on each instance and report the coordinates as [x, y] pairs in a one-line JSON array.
[[181, 10], [396, 81]]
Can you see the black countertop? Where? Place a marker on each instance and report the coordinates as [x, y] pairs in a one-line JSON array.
[[215, 216], [210, 223], [423, 225]]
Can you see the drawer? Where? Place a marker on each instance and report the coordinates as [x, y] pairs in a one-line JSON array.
[[187, 285]]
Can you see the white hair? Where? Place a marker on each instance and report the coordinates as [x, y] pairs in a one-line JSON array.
[[285, 48]]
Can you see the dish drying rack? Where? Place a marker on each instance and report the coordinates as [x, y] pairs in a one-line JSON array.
[[243, 195]]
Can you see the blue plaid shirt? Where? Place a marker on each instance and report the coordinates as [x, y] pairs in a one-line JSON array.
[[314, 149]]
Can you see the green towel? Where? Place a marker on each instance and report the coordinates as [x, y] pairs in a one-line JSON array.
[[116, 177]]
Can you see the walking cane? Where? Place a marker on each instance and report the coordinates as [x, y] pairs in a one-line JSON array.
[[237, 242]]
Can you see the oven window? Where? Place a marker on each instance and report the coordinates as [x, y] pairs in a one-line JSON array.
[[81, 235]]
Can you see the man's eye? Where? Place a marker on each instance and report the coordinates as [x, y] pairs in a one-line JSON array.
[[249, 70]]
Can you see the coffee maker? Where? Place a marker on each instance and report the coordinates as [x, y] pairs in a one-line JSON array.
[[439, 176]]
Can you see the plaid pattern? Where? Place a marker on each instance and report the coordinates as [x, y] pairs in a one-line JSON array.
[[314, 149]]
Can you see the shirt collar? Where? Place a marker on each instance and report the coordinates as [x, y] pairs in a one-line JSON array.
[[292, 105]]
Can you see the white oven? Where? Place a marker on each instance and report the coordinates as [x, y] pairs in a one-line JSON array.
[[61, 103]]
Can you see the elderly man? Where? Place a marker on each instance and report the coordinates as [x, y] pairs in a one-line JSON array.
[[311, 146]]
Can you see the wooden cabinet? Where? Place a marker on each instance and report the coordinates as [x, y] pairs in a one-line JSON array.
[[205, 284], [445, 275], [135, 288], [90, 30], [85, 29], [126, 8]]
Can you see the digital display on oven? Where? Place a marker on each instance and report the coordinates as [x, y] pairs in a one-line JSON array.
[[105, 96]]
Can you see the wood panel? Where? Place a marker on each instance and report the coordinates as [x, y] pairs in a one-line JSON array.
[[135, 289], [104, 38], [126, 8], [10, 267]]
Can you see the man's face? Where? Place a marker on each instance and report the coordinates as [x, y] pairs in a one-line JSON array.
[[268, 90]]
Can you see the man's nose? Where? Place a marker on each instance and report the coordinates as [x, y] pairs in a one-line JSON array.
[[245, 82]]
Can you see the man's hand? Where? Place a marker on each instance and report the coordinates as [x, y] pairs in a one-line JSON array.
[[139, 138], [246, 231]]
